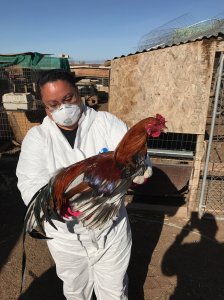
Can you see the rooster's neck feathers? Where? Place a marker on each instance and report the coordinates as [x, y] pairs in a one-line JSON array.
[[134, 141]]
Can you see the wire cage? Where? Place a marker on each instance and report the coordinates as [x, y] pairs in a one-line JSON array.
[[173, 145], [206, 184], [205, 152], [6, 133], [20, 106]]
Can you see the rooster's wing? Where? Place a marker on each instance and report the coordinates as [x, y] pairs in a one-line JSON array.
[[97, 192]]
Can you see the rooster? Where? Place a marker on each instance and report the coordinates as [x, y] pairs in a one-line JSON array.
[[92, 189]]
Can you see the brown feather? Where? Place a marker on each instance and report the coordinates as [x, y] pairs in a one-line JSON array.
[[66, 176], [132, 143]]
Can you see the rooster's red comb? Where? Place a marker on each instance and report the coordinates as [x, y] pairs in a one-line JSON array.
[[161, 119]]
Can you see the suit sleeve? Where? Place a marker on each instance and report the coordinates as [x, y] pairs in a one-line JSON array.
[[32, 172]]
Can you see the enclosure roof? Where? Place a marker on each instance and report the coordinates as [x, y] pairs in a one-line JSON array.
[[23, 53], [33, 60], [218, 35]]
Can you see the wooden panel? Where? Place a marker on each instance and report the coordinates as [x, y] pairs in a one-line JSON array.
[[90, 72], [195, 175], [174, 81]]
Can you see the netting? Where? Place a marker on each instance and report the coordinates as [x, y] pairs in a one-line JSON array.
[[180, 31]]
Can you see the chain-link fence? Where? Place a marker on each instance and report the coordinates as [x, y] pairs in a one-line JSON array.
[[211, 185]]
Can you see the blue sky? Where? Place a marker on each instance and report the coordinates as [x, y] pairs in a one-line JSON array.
[[91, 30]]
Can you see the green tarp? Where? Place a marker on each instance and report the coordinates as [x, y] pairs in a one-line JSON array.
[[34, 60]]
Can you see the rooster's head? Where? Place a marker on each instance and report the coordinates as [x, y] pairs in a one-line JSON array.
[[156, 125]]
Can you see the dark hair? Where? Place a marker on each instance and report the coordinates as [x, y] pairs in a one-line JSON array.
[[54, 75]]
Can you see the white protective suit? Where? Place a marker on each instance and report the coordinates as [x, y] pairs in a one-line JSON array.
[[85, 259]]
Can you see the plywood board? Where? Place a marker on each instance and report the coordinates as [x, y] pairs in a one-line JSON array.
[[174, 82]]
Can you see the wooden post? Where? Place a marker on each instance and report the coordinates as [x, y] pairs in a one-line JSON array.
[[195, 176]]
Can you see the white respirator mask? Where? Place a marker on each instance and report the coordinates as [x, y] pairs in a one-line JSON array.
[[67, 114]]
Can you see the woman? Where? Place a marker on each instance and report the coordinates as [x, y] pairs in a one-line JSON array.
[[85, 259]]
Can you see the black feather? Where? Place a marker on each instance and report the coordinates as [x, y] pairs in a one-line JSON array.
[[39, 210], [96, 211], [37, 235]]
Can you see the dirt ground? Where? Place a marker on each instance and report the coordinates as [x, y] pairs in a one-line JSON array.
[[172, 258]]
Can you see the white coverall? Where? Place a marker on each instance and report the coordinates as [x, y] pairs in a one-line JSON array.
[[85, 259]]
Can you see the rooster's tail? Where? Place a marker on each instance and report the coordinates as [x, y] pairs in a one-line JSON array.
[[41, 207]]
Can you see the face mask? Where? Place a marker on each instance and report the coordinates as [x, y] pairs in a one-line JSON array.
[[67, 114]]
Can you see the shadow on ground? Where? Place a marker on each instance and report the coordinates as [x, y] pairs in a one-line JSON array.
[[198, 264], [12, 209], [46, 287], [146, 228]]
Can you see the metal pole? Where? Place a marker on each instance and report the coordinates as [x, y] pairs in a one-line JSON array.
[[214, 114]]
